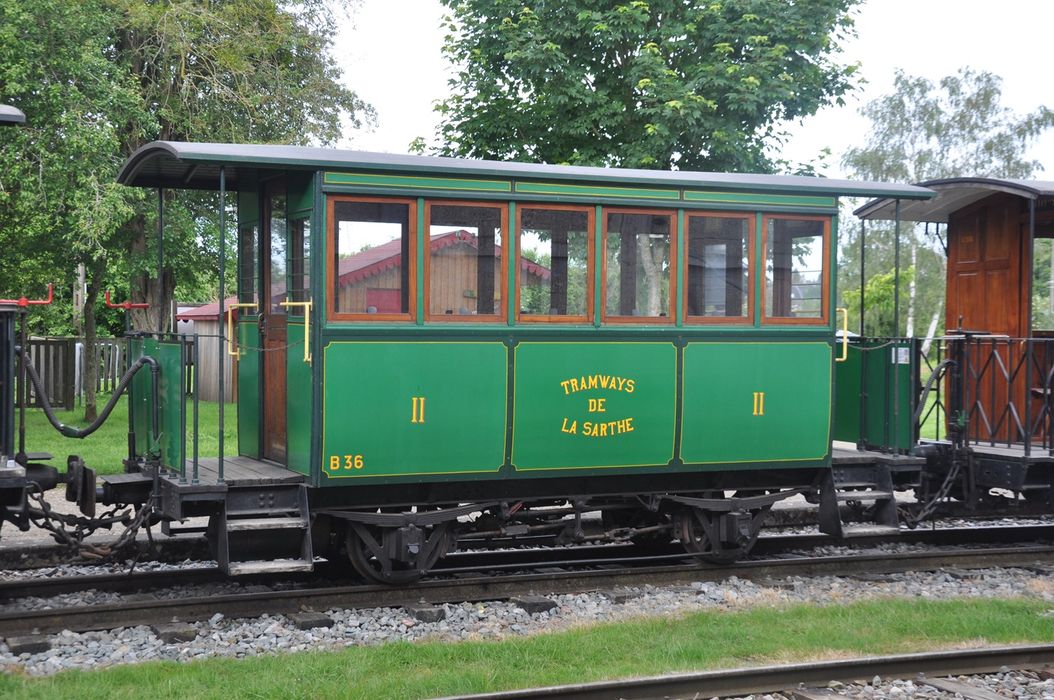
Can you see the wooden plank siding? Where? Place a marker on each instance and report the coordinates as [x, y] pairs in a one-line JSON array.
[[208, 370]]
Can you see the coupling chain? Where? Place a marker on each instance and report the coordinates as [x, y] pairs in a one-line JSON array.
[[71, 530]]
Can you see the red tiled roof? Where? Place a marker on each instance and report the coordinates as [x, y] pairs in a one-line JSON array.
[[370, 262]]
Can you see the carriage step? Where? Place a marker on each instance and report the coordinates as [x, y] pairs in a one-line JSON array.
[[268, 566], [863, 495], [869, 530], [244, 524]]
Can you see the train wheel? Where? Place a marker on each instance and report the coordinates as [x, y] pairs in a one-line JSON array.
[[369, 550], [697, 531]]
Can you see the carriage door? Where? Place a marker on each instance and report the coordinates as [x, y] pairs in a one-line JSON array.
[[273, 321]]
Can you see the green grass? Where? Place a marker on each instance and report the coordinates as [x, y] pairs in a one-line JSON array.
[[644, 647], [104, 449]]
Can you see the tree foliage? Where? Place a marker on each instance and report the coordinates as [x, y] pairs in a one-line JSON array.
[[653, 84], [955, 128], [98, 78], [923, 130]]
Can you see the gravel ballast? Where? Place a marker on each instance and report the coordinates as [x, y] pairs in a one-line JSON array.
[[220, 636]]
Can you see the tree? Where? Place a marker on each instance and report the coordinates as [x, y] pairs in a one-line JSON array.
[[107, 76], [922, 131], [656, 84]]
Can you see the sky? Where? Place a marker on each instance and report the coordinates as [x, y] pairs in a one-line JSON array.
[[391, 55]]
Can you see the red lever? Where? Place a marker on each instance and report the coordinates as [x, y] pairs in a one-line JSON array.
[[23, 302], [126, 305]]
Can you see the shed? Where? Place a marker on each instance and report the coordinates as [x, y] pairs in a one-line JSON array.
[[207, 325]]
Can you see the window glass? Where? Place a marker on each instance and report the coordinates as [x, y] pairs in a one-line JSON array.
[[794, 268], [371, 273], [464, 273], [277, 272], [718, 266], [299, 263], [554, 262], [247, 265], [638, 265]]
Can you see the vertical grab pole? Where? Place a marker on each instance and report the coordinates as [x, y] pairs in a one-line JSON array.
[[197, 391], [160, 260], [896, 331], [223, 336], [863, 278], [183, 408]]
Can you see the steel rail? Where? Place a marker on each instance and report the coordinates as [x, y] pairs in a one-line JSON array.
[[512, 560], [766, 679], [482, 588]]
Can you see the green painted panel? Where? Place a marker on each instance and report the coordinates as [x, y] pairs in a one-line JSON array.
[[170, 386], [141, 391], [372, 408], [847, 396], [594, 405], [408, 182], [878, 384], [754, 198], [596, 190], [249, 390], [300, 192], [298, 401], [756, 402]]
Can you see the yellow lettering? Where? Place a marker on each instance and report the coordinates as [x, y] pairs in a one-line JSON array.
[[629, 386], [574, 384], [417, 409], [359, 462], [349, 461], [759, 403], [593, 381], [597, 405], [565, 384], [334, 463], [573, 428]]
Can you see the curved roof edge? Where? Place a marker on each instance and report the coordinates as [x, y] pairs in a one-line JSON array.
[[953, 194], [196, 166]]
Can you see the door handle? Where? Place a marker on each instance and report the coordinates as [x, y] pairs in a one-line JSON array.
[[307, 325], [232, 345], [845, 335]]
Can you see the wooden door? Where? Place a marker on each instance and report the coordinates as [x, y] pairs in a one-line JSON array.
[[273, 241]]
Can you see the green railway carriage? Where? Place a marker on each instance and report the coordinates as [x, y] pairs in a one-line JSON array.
[[431, 347]]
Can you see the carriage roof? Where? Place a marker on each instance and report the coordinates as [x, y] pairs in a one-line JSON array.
[[196, 166]]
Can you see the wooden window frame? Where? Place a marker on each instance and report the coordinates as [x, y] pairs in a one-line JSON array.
[[751, 219], [824, 318], [331, 260], [590, 213], [503, 306], [671, 317]]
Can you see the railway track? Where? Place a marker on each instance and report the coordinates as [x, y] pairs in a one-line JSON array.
[[607, 575], [461, 563], [790, 677]]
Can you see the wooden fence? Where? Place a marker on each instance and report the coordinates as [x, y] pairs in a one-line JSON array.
[[60, 364]]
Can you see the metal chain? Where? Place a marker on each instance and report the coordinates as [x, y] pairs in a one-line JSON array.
[[928, 509], [71, 530]]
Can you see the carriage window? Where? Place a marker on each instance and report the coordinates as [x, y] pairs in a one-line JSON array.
[[794, 268], [370, 270], [464, 261], [718, 267], [637, 273], [277, 281], [554, 264], [299, 263], [247, 265]]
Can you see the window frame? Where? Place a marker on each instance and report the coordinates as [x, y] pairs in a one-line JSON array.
[[751, 219], [825, 289], [671, 317], [590, 213], [331, 260], [503, 305]]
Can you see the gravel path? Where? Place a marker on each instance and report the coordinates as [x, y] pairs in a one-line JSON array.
[[1009, 684], [471, 621]]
